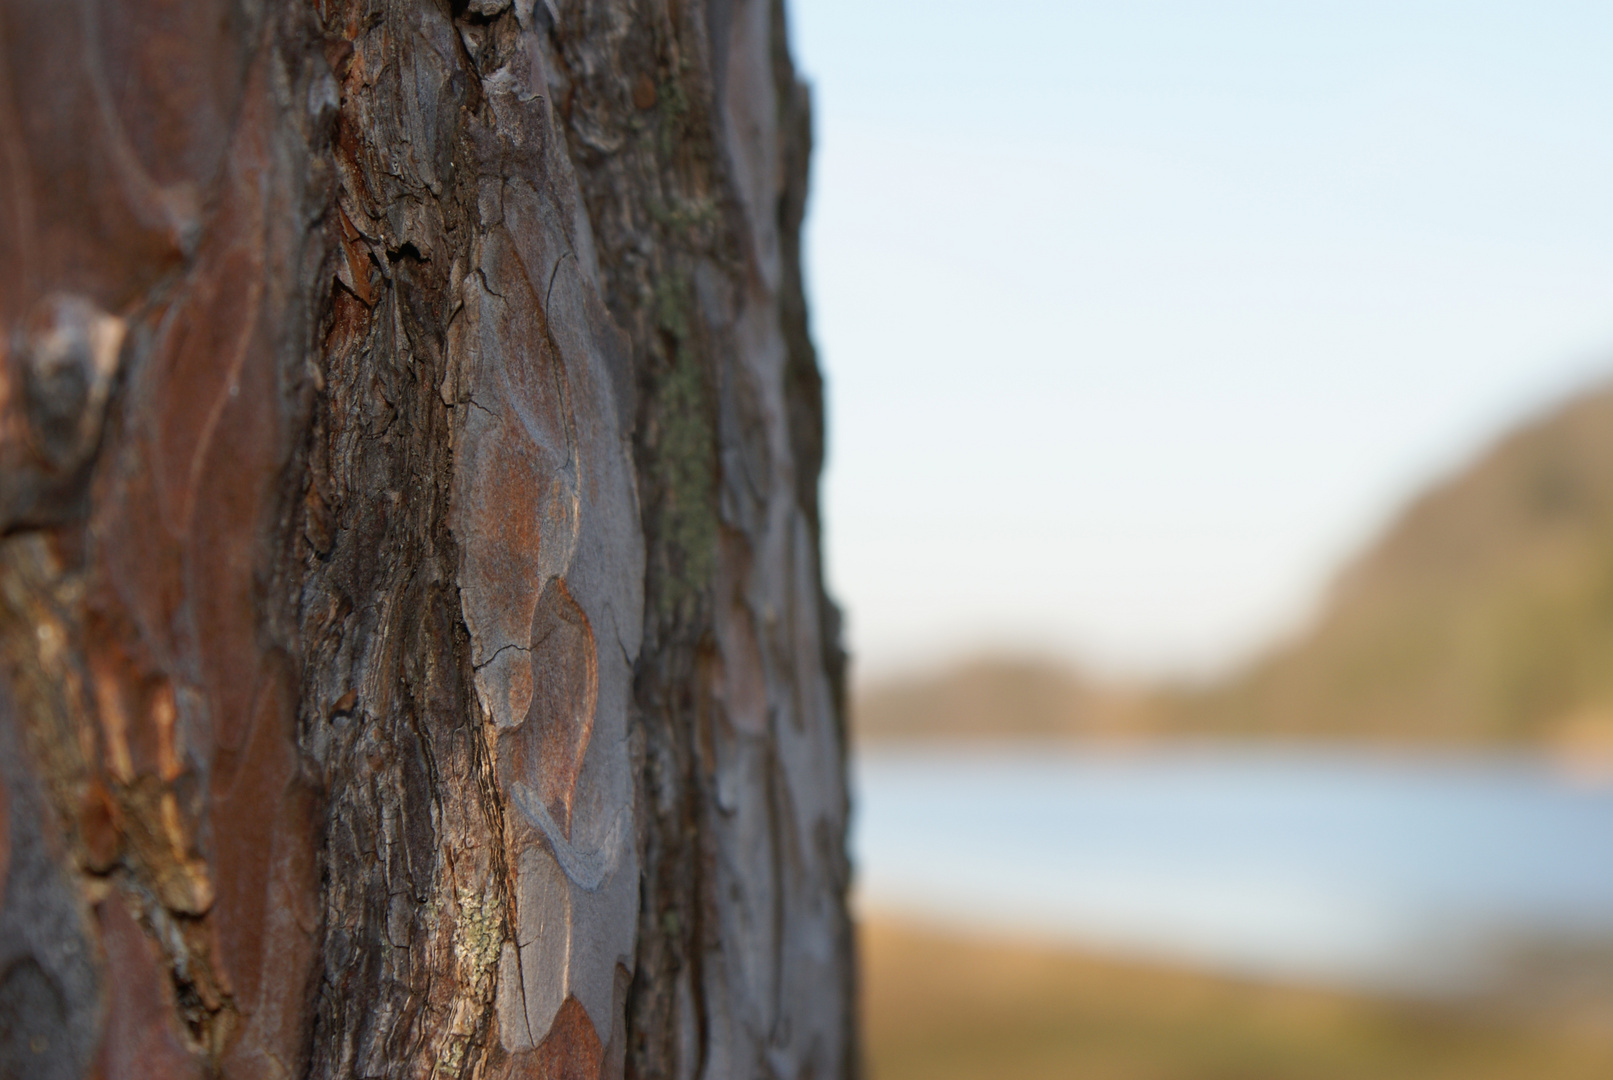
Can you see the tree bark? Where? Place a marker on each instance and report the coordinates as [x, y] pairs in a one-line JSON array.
[[414, 659]]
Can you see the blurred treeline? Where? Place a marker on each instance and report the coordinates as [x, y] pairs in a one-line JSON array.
[[1484, 614]]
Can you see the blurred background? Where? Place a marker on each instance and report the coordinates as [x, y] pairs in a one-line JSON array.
[[1221, 495]]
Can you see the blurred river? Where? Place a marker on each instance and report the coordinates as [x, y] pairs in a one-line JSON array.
[[1412, 874]]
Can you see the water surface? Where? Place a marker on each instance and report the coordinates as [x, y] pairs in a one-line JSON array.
[[1427, 874]]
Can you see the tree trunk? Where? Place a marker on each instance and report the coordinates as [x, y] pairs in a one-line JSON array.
[[415, 656]]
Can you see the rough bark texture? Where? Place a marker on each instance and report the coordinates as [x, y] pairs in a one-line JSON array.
[[413, 653]]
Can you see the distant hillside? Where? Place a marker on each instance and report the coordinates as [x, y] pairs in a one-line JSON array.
[[1485, 613], [996, 697]]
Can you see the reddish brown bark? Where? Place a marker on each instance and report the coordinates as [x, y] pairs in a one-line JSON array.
[[415, 661]]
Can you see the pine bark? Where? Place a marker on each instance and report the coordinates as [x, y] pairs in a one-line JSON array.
[[414, 657]]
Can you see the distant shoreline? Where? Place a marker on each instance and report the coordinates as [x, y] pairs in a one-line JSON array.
[[1483, 615], [1590, 763]]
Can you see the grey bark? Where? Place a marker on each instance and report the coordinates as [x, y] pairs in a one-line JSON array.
[[414, 658]]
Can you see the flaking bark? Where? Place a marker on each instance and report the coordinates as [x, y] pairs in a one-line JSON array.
[[414, 659]]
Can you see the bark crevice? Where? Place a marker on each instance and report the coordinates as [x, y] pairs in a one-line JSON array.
[[352, 733]]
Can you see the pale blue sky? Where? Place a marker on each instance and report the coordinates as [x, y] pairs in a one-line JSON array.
[[1138, 317]]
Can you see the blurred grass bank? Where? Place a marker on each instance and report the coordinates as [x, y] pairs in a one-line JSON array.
[[944, 1006]]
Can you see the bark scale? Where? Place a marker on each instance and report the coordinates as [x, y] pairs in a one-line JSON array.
[[414, 659]]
